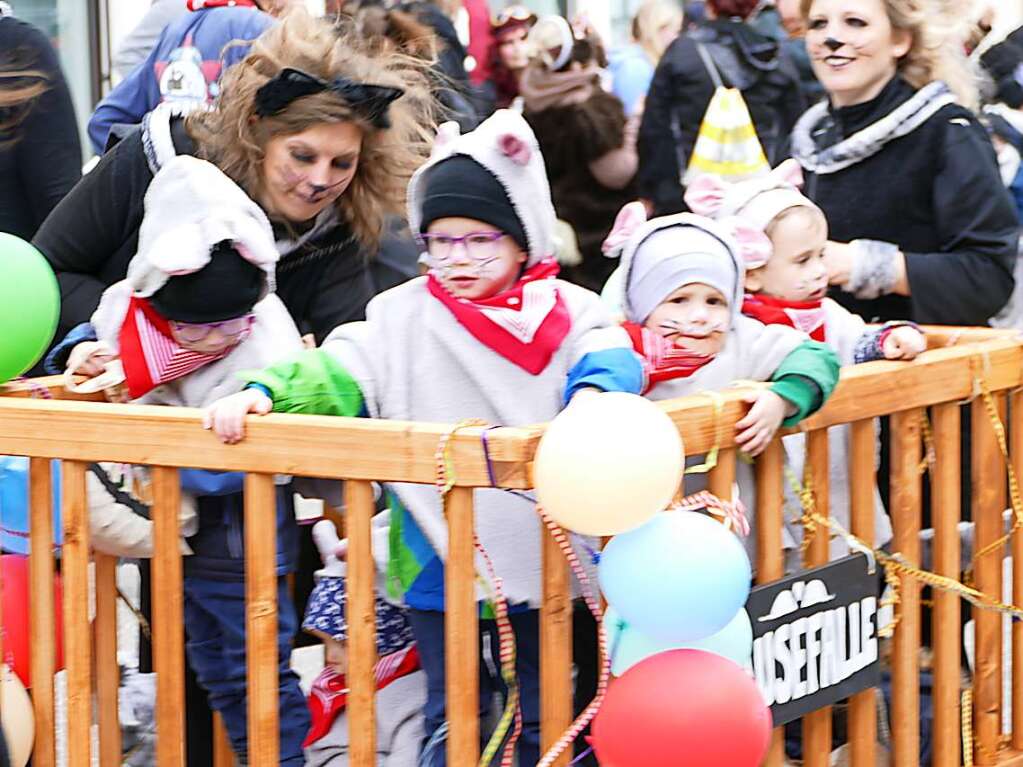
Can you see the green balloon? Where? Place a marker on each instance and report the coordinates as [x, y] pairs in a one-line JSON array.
[[29, 306]]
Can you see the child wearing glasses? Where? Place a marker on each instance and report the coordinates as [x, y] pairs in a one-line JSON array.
[[196, 308], [488, 333]]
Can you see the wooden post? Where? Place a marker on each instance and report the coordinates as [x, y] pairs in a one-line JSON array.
[[817, 725], [261, 612], [77, 632], [945, 487], [1016, 453], [770, 558], [988, 500], [863, 705], [555, 649], [43, 647], [361, 614], [223, 754], [107, 671], [721, 480], [905, 513], [461, 631], [168, 618]]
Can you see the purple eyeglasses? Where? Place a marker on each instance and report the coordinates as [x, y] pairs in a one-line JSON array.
[[196, 332], [479, 246]]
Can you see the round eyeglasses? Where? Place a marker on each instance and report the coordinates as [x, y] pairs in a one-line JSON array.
[[196, 332]]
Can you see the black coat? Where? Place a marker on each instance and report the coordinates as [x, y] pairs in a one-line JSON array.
[[938, 195], [682, 89], [42, 159], [93, 234]]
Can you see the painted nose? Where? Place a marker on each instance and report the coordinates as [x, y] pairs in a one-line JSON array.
[[833, 44]]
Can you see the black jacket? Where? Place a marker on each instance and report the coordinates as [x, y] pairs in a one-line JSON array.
[[42, 159], [682, 89], [93, 234], [935, 192]]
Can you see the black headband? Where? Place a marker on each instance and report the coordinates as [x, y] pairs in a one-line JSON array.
[[370, 101]]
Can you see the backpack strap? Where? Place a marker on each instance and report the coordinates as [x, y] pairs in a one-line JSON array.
[[710, 66]]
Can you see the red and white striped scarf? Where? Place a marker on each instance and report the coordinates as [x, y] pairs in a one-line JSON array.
[[149, 353]]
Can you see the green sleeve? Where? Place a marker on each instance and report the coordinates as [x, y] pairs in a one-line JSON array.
[[313, 383], [806, 378]]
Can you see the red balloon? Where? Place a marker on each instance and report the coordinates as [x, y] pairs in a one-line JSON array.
[[682, 708], [16, 598]]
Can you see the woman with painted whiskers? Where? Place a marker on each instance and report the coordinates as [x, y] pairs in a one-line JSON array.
[[921, 227]]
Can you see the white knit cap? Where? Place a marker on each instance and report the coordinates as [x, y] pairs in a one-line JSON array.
[[505, 145]]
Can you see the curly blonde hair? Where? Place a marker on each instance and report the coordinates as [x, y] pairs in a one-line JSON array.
[[234, 138], [936, 51]]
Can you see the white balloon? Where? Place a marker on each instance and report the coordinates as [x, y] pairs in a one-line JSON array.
[[608, 463], [18, 719]]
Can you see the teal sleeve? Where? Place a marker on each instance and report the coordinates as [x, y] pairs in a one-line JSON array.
[[312, 383], [806, 378]]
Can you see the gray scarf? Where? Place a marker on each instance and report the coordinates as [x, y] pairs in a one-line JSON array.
[[867, 142]]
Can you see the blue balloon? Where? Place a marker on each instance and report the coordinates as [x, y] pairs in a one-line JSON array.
[[680, 577], [14, 515], [628, 646]]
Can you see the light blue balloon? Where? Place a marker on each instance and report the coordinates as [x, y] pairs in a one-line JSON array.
[[14, 516], [628, 646], [680, 577]]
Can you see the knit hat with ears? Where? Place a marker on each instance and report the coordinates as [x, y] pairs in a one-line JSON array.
[[505, 146], [755, 202], [664, 254]]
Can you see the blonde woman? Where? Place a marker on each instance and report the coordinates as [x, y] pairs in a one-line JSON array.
[[922, 228], [655, 25]]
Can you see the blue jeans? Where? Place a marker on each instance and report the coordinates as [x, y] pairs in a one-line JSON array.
[[428, 627], [215, 616]]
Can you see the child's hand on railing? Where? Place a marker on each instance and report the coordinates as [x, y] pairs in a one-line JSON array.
[[757, 428], [904, 342], [227, 416]]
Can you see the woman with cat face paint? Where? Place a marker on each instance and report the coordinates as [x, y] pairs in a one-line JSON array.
[[321, 133], [921, 226]]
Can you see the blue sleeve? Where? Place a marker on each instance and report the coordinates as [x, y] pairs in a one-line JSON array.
[[128, 102], [56, 360], [631, 82], [607, 370], [202, 482]]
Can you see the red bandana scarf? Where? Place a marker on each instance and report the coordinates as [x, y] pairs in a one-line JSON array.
[[663, 360], [329, 693], [150, 354], [807, 316], [525, 324]]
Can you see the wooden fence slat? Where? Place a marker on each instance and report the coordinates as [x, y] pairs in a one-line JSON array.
[[1016, 454], [555, 649], [168, 618], [223, 754], [905, 512], [261, 619], [862, 485], [988, 500], [107, 671], [361, 615], [43, 647], [721, 480], [945, 487], [770, 559], [461, 631], [77, 631], [817, 725]]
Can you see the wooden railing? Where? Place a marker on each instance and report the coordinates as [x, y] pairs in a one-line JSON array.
[[361, 451]]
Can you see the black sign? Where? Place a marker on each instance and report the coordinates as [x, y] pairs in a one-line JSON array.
[[815, 637]]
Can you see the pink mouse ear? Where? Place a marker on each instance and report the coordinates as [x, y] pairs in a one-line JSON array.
[[446, 133], [629, 218], [755, 247], [705, 195], [514, 148], [789, 172]]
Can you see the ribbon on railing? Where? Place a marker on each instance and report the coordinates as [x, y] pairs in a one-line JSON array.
[[512, 714], [711, 459]]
